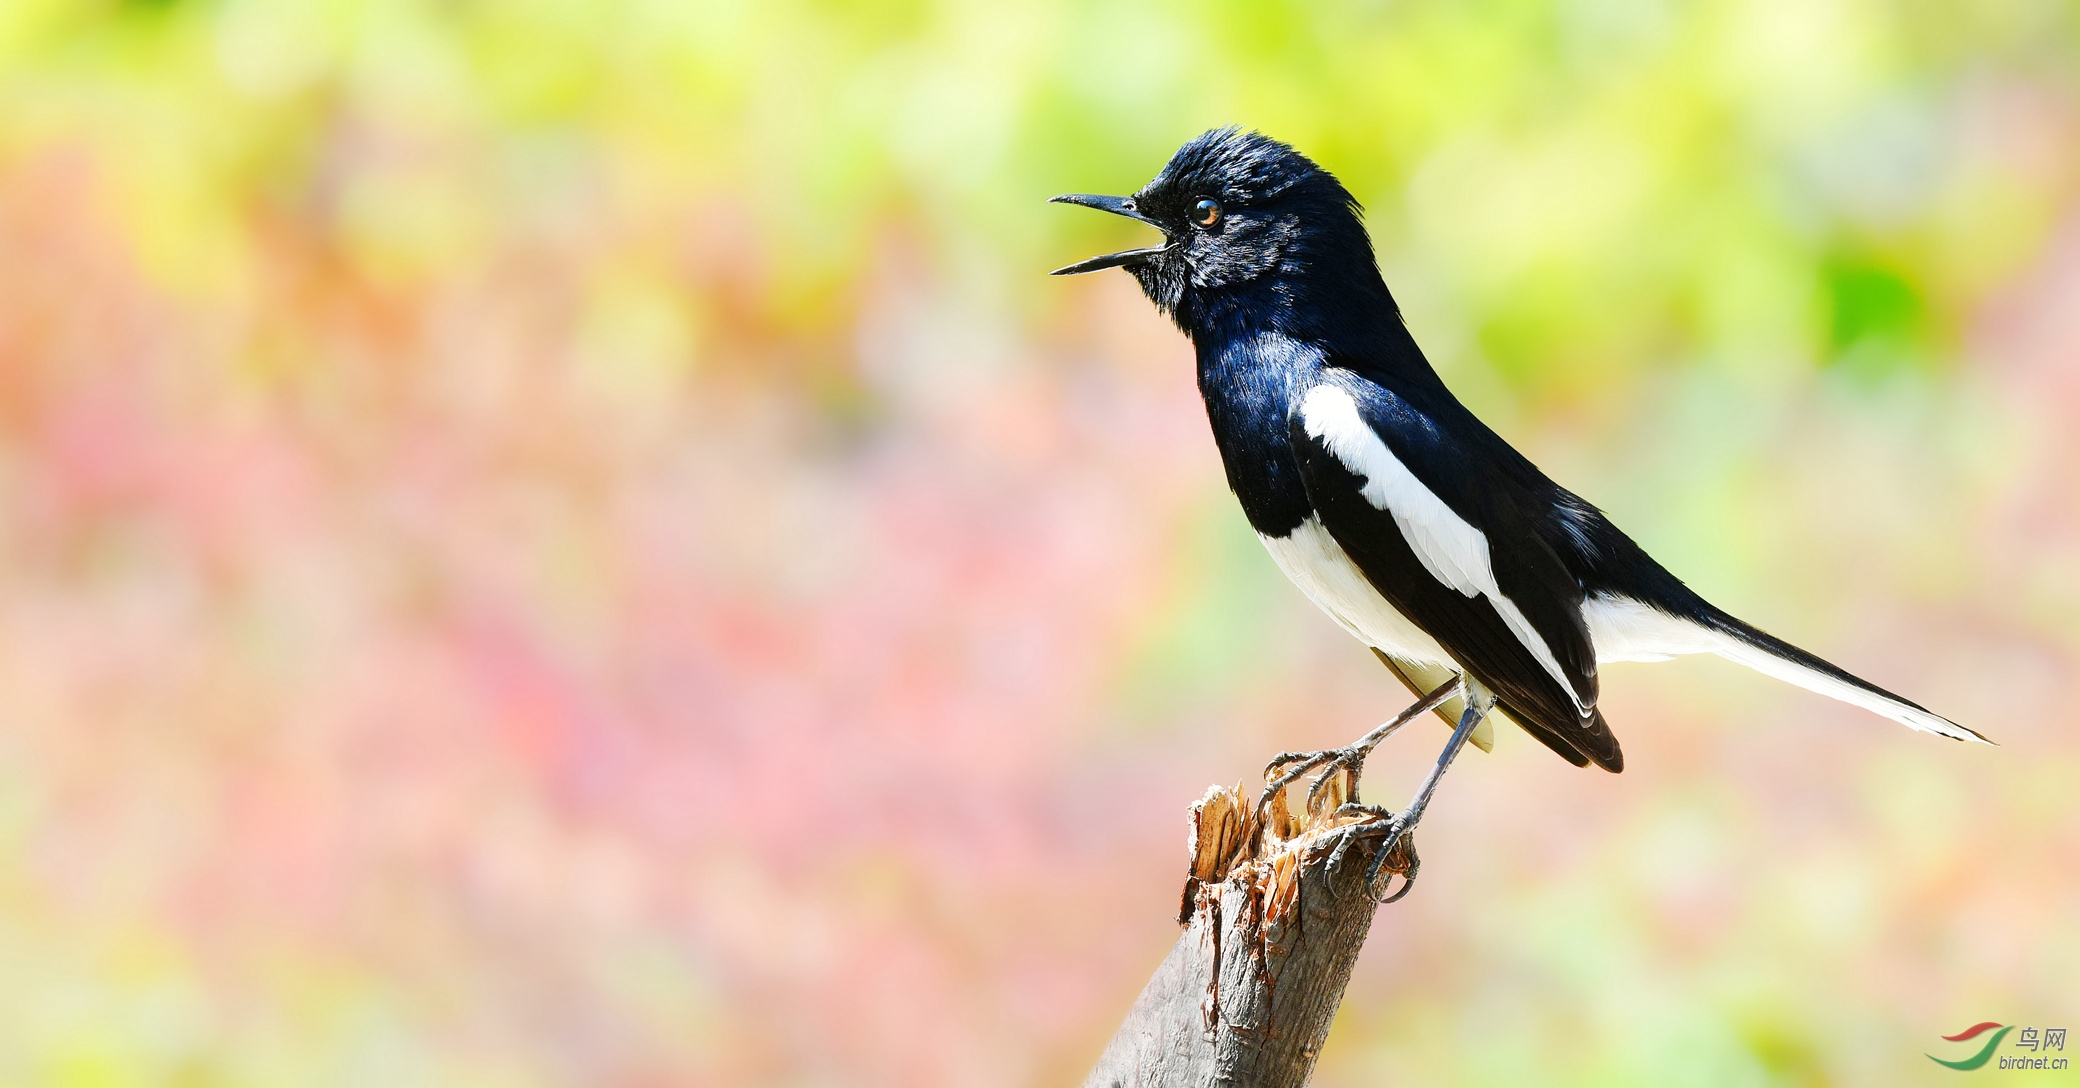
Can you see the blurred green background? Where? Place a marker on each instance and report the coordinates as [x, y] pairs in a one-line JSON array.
[[573, 543]]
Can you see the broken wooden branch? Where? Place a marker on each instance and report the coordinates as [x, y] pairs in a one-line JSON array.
[[1274, 919]]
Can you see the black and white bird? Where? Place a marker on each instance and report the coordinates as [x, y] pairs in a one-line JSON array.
[[1394, 509]]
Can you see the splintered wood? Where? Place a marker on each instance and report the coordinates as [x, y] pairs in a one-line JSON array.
[[1228, 840], [1249, 990]]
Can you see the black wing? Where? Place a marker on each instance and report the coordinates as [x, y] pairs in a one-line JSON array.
[[1525, 570]]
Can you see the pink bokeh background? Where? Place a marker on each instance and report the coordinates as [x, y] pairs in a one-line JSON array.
[[487, 599]]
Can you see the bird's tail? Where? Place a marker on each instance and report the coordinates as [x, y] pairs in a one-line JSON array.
[[1634, 630]]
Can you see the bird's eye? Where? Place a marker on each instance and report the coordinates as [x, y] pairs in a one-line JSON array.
[[1206, 213]]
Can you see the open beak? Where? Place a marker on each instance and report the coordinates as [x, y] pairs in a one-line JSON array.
[[1117, 205]]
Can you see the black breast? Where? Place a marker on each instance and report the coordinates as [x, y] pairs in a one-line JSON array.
[[1249, 385]]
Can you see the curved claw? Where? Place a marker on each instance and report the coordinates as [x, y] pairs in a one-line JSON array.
[[1404, 843], [1307, 761], [1384, 824], [1408, 882], [1346, 757], [1400, 846], [1283, 758], [1352, 755]]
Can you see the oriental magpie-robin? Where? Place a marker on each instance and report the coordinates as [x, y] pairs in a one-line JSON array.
[[1475, 578]]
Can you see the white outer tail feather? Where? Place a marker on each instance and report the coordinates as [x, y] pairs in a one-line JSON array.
[[1624, 629]]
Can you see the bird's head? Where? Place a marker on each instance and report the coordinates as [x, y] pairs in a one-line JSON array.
[[1242, 215]]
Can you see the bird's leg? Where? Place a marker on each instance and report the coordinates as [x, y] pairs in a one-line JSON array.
[[1289, 766], [1395, 827]]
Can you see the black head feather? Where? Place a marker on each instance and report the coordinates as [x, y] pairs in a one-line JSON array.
[[1289, 246]]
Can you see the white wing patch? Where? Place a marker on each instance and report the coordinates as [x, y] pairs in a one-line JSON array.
[[1453, 551], [1625, 629]]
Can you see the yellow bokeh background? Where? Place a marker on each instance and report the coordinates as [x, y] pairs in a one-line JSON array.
[[574, 543]]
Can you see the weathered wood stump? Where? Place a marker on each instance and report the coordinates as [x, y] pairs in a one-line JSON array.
[[1272, 929]]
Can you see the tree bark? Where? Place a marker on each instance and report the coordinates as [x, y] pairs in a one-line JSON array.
[[1272, 929]]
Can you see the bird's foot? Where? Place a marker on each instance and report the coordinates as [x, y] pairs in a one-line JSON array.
[[1395, 854], [1288, 767]]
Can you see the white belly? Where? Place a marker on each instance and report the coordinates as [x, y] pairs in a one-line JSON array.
[[1319, 566]]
